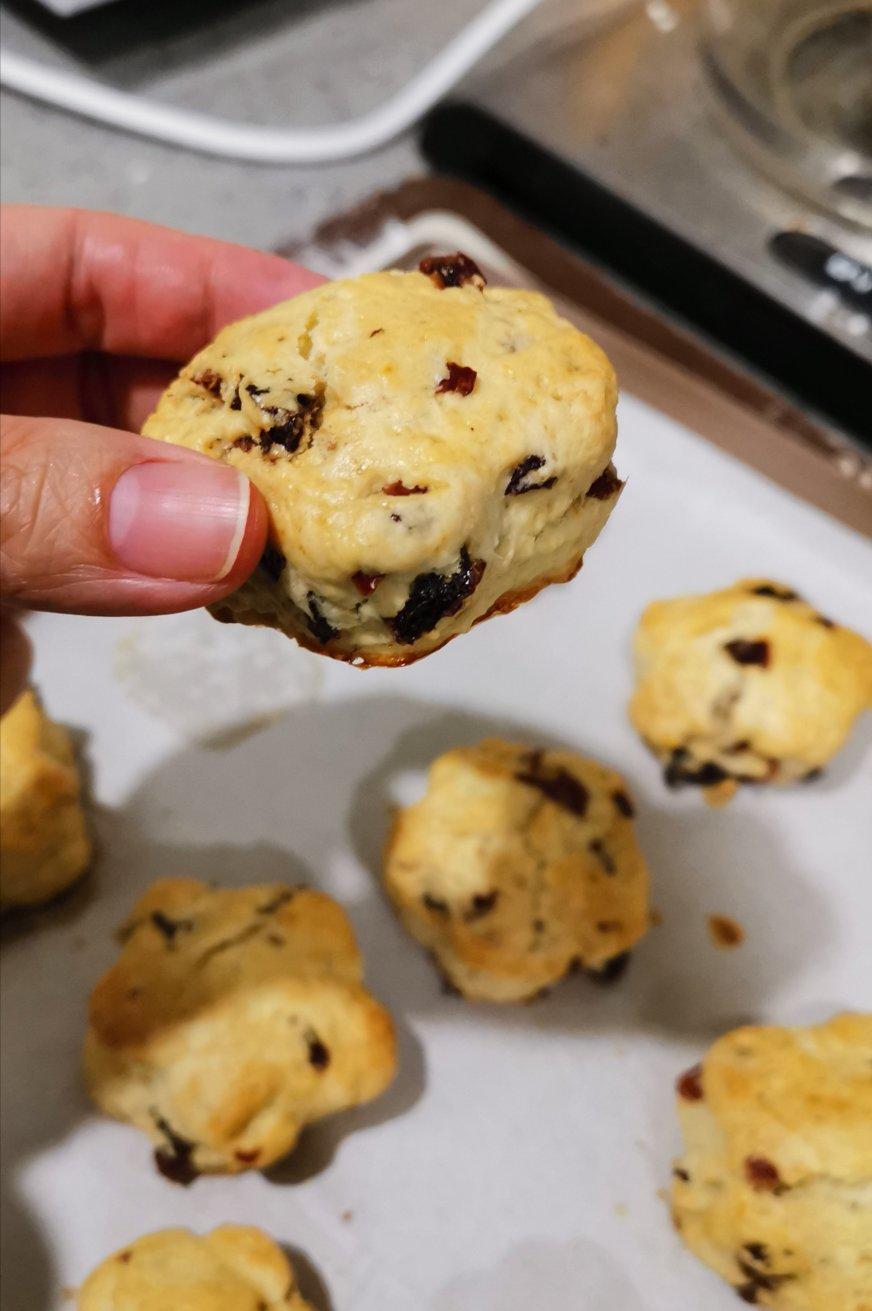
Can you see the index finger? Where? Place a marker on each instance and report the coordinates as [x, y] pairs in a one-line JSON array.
[[76, 280]]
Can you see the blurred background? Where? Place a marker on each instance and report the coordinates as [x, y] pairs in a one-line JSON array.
[[713, 158]]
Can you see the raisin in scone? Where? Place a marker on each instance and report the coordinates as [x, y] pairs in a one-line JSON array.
[[750, 684], [233, 1018], [431, 451], [517, 866], [44, 844], [774, 1189], [233, 1268]]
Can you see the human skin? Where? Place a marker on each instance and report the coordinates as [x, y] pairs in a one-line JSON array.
[[96, 314]]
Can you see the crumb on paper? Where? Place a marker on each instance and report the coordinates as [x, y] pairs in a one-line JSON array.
[[347, 1217], [621, 1209], [724, 931], [655, 918]]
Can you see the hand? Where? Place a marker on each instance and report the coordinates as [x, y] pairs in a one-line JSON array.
[[96, 314]]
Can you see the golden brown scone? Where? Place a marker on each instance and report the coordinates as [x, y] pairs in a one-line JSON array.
[[746, 685], [774, 1190], [431, 452], [518, 866], [233, 1268], [44, 845], [232, 1018]]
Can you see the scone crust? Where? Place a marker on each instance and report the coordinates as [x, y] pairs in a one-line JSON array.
[[774, 1189], [403, 512], [233, 1018], [750, 684], [233, 1268], [517, 866], [44, 843]]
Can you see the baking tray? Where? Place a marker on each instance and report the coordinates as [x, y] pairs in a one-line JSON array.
[[521, 1157]]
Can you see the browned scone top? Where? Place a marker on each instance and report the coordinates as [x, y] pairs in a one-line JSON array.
[[432, 451], [774, 1187], [517, 866], [749, 684], [233, 1268], [232, 1018]]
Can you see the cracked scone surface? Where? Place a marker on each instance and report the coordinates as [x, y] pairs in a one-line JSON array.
[[233, 1268], [232, 1018], [750, 684], [517, 866], [430, 454], [774, 1188], [44, 843]]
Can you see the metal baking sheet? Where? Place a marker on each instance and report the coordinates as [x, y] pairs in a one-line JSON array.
[[521, 1157]]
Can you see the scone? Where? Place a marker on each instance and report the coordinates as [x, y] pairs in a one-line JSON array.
[[747, 685], [431, 452], [774, 1190], [233, 1268], [518, 866], [44, 844], [232, 1018]]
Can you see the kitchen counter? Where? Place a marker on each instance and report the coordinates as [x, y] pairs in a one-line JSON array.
[[270, 61]]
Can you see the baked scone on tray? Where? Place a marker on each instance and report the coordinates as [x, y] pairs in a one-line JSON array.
[[774, 1187], [750, 684], [518, 866], [233, 1268], [232, 1019], [431, 450], [44, 842]]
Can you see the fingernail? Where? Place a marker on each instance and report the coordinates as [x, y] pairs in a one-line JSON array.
[[179, 519]]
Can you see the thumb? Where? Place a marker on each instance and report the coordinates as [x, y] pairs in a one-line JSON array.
[[98, 521]]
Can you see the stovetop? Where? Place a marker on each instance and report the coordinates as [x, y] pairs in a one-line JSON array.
[[617, 145]]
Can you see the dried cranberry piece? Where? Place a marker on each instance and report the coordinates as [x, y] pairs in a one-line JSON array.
[[482, 904], [433, 597], [291, 425], [558, 785], [597, 847], [209, 380], [689, 1084], [777, 593], [399, 488], [436, 904], [170, 927], [761, 1174], [247, 1158], [319, 1052], [244, 443], [516, 486], [681, 1174], [174, 1162], [366, 583], [746, 652], [456, 270], [824, 622], [680, 770], [624, 804], [272, 562], [317, 625], [606, 485], [461, 378], [614, 969]]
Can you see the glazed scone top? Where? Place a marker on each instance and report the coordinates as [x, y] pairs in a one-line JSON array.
[[750, 677], [233, 1268], [369, 355], [800, 1096]]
